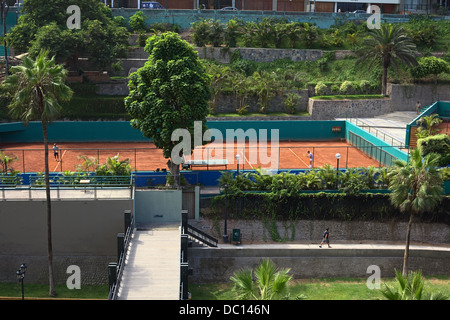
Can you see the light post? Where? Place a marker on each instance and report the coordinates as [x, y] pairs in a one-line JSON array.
[[338, 156], [20, 273], [237, 156], [225, 231]]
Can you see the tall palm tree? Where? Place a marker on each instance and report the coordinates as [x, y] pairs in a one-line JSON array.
[[387, 45], [37, 88], [416, 188], [271, 282]]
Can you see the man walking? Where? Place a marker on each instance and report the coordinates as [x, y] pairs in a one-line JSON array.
[[326, 238]]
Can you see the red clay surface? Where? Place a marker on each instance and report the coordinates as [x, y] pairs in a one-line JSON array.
[[145, 156]]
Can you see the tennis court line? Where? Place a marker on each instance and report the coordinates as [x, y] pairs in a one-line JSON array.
[[60, 161], [298, 157], [246, 160]]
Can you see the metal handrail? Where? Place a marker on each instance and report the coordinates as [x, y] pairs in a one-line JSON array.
[[82, 181], [121, 264], [201, 236], [382, 134]]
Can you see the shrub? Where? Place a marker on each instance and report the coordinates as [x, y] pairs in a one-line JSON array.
[[335, 88], [200, 32], [346, 87], [137, 22], [439, 144], [364, 86], [429, 66], [321, 88], [290, 102], [208, 31]]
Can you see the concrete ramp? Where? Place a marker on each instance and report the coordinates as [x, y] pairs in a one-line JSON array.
[[152, 264]]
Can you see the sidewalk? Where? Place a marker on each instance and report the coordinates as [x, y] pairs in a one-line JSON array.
[[336, 246]]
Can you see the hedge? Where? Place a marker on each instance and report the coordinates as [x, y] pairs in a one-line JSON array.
[[320, 206]]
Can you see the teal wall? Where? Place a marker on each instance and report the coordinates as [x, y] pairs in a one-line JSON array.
[[185, 18], [118, 131], [288, 130], [397, 153], [11, 20], [71, 131], [157, 206]]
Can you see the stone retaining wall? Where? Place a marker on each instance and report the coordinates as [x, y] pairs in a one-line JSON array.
[[219, 264], [309, 231], [329, 110]]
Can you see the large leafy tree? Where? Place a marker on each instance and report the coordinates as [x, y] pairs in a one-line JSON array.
[[416, 188], [43, 25], [37, 87], [386, 46], [170, 92]]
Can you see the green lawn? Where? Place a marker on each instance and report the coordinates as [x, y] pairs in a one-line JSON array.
[[318, 289], [313, 289], [11, 290]]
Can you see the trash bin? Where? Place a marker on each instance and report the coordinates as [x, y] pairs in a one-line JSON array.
[[236, 237]]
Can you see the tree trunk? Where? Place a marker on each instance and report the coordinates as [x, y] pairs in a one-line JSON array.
[[175, 172], [49, 215], [406, 255], [4, 14], [384, 81]]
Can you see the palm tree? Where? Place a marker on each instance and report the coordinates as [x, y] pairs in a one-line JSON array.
[[37, 87], [427, 125], [410, 287], [387, 46], [416, 188], [271, 283]]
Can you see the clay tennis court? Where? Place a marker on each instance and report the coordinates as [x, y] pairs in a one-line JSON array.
[[144, 156]]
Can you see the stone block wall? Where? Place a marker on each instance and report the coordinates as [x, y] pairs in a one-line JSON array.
[[310, 231], [331, 109]]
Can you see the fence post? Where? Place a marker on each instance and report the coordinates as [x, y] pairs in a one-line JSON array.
[[184, 272], [127, 219], [184, 221], [112, 274], [184, 248], [120, 245]]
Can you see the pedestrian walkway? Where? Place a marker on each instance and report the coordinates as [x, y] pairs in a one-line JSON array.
[[339, 246], [152, 265], [389, 127]]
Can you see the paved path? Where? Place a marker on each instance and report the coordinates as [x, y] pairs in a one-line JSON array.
[[390, 125], [338, 246], [152, 266]]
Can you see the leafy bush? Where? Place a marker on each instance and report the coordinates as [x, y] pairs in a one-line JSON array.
[[113, 166], [319, 206], [364, 86], [208, 31], [137, 22], [429, 66], [346, 87], [439, 144], [423, 30], [321, 88], [290, 102]]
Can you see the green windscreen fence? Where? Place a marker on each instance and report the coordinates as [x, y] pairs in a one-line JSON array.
[[379, 153]]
